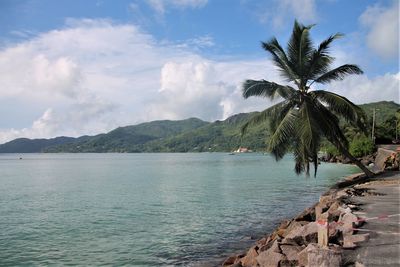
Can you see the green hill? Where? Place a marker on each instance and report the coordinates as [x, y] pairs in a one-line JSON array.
[[130, 138], [384, 110], [25, 145], [217, 136], [190, 135]]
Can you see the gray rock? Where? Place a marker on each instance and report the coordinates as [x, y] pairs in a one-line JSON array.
[[350, 240], [302, 256], [250, 259], [273, 246], [305, 234], [347, 222], [291, 252], [230, 260], [324, 257], [270, 259]]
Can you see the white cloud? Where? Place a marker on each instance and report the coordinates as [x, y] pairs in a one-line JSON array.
[[76, 81], [208, 89], [40, 127], [383, 29], [361, 89], [278, 12], [160, 6], [80, 118], [190, 88]]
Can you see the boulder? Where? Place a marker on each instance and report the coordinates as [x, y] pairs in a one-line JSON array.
[[366, 160], [307, 215], [289, 242], [320, 256], [273, 246], [231, 260], [334, 233], [284, 224], [346, 161], [305, 234], [270, 258], [350, 240], [347, 222], [291, 252], [302, 256], [334, 211], [292, 226], [340, 194], [314, 255], [263, 241], [381, 157], [250, 258], [325, 201]]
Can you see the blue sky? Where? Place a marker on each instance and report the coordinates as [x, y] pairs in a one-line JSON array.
[[83, 67]]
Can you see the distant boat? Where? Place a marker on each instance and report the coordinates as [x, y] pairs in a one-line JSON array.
[[243, 150]]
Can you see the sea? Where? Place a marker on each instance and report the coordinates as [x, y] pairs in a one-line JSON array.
[[172, 209]]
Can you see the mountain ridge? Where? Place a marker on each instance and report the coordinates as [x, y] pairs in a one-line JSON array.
[[189, 135]]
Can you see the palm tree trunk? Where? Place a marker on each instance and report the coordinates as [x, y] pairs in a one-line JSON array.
[[346, 153]]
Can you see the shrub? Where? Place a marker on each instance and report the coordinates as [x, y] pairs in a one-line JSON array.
[[331, 151], [361, 146]]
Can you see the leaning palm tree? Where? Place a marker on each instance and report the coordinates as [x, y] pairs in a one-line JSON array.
[[305, 116]]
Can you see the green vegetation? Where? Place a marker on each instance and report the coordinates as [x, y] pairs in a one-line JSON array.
[[192, 135], [361, 146], [305, 117], [130, 138], [217, 136], [25, 145]]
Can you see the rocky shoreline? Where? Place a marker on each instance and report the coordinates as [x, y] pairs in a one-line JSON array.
[[295, 241], [366, 160]]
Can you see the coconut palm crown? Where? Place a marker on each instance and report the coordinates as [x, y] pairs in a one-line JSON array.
[[305, 116]]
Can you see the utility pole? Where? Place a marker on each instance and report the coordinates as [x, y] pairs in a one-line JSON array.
[[373, 126]]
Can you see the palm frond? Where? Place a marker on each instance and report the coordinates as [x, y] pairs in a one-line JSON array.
[[343, 107], [280, 59], [299, 158], [320, 60], [280, 141], [300, 49], [303, 158], [265, 89], [258, 118], [339, 73], [309, 126], [329, 124], [309, 136], [275, 112]]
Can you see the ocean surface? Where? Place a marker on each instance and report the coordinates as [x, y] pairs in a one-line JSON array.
[[146, 209]]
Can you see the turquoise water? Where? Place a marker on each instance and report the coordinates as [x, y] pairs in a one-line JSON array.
[[145, 209]]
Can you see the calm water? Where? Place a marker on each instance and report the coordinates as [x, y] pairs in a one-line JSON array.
[[145, 209]]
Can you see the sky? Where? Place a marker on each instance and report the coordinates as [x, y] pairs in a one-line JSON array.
[[70, 67]]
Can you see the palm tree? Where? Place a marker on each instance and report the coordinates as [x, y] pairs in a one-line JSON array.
[[305, 116]]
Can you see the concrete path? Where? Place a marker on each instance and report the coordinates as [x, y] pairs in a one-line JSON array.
[[383, 247], [390, 147]]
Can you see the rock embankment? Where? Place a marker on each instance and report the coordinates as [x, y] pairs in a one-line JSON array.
[[366, 160], [295, 242]]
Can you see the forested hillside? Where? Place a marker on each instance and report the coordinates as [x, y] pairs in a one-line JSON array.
[[193, 135]]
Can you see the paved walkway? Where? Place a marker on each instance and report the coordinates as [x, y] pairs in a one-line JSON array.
[[383, 247], [390, 147]]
